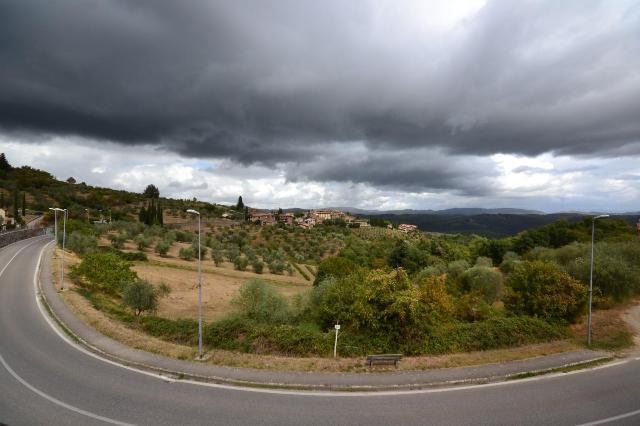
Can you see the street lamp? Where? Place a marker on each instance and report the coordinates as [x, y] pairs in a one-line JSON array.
[[593, 231], [55, 222], [199, 287], [87, 212], [64, 235]]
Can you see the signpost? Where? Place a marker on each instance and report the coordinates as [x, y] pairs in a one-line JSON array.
[[335, 345]]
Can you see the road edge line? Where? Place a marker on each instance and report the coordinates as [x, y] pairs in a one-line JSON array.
[[299, 389]]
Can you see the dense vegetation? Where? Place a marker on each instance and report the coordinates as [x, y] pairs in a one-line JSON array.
[[414, 294]]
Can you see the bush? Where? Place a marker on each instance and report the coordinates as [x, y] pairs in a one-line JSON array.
[[132, 256], [509, 262], [541, 289], [182, 331], [217, 257], [257, 266], [140, 296], [106, 271], [485, 280], [276, 266], [117, 240], [484, 261], [616, 269], [493, 333], [457, 268], [142, 242], [81, 243], [472, 307], [241, 263], [337, 267], [162, 248], [186, 253], [381, 303], [261, 302]]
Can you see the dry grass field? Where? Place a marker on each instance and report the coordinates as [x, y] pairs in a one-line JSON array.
[[220, 284]]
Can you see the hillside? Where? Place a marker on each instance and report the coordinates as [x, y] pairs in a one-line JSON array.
[[39, 190], [488, 225]]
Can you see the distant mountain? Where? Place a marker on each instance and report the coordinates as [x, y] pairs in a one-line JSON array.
[[454, 211]]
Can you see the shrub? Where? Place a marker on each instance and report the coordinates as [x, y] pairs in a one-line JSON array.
[[484, 280], [473, 307], [493, 333], [217, 257], [541, 289], [337, 267], [456, 268], [186, 253], [276, 266], [183, 331], [162, 248], [140, 296], [142, 242], [106, 271], [117, 240], [81, 243], [509, 262], [261, 302], [132, 256], [241, 263], [257, 266], [616, 269], [381, 302], [484, 261], [431, 271]]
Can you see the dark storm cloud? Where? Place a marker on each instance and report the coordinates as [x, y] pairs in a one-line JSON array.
[[277, 82], [409, 171]]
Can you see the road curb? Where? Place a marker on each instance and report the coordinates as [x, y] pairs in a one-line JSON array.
[[178, 375]]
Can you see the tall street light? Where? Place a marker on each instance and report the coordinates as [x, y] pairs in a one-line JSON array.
[[199, 287], [593, 232], [55, 222], [64, 235]]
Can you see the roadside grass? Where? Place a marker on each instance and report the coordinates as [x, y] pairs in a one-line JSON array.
[[610, 331]]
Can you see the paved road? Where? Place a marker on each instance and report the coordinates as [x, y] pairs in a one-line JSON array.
[[45, 380]]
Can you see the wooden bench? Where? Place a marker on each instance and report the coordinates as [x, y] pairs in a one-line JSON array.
[[384, 359]]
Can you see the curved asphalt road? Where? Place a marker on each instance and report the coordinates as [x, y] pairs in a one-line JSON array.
[[45, 380]]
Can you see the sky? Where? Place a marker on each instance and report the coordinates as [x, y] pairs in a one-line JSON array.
[[373, 104]]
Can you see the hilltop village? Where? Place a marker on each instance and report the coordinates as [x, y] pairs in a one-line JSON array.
[[315, 217]]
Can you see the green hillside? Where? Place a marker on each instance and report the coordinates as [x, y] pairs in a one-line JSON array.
[[38, 190]]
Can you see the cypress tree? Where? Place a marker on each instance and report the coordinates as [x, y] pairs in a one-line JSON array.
[[15, 204], [142, 215], [4, 164], [24, 203]]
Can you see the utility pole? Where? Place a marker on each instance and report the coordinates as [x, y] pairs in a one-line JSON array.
[[199, 286], [593, 233]]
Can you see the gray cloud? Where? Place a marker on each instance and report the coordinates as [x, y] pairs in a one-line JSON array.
[[276, 84]]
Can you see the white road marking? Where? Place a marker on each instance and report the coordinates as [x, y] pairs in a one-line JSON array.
[[239, 388], [38, 391], [612, 419]]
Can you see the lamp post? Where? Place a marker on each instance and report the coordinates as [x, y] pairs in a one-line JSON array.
[[64, 235], [199, 287], [55, 223], [593, 232], [87, 212]]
